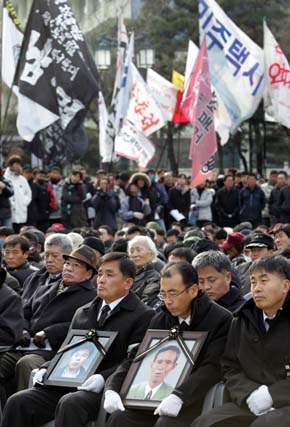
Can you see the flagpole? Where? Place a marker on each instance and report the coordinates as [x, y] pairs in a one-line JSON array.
[[1, 84]]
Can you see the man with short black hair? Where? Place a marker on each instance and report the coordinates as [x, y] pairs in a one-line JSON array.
[[107, 236], [227, 203], [189, 309], [252, 201], [255, 363], [115, 309], [16, 252]]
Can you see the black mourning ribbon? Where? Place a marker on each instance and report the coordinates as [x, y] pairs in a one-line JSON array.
[[91, 335], [173, 334]]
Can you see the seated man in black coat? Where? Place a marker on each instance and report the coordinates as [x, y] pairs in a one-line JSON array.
[[48, 315], [190, 309], [214, 277], [125, 314], [256, 362], [55, 246], [16, 251]]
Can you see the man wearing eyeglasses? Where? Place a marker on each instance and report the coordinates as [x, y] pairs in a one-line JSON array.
[[116, 308], [188, 308]]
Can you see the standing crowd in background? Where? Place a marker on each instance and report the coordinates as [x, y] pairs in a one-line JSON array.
[[129, 252]]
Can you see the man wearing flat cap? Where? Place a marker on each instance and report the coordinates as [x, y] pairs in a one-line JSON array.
[[48, 314], [261, 244], [116, 308]]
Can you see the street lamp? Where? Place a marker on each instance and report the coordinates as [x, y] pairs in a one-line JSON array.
[[103, 53]]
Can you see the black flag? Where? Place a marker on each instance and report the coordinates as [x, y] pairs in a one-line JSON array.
[[56, 76]]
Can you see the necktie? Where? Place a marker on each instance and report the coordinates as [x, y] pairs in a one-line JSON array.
[[60, 288], [184, 326], [148, 395], [270, 322], [104, 314]]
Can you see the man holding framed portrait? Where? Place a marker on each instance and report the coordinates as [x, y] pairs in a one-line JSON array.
[[116, 308], [188, 309]]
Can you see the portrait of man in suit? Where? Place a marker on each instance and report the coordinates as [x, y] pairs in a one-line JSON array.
[[155, 388]]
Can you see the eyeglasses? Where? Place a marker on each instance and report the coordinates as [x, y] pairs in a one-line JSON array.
[[171, 294]]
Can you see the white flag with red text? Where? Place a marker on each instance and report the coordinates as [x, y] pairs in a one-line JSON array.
[[277, 72], [198, 107], [164, 93], [134, 145], [143, 110]]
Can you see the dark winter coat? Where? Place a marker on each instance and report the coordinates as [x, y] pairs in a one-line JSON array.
[[130, 318], [46, 311], [72, 208], [274, 199], [146, 284], [5, 209], [21, 273], [207, 316], [33, 282], [254, 357], [232, 300], [180, 201], [227, 206], [106, 205], [11, 313], [284, 204], [252, 202]]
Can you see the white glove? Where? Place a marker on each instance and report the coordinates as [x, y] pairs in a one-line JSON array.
[[169, 406], [94, 383], [260, 401], [138, 215], [38, 377], [113, 402]]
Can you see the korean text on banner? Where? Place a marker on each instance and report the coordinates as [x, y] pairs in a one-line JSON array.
[[133, 144], [164, 93], [277, 71], [143, 110], [236, 63], [198, 107], [56, 75]]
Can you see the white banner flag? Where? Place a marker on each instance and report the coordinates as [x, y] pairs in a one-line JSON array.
[[12, 37], [143, 111], [133, 144], [236, 63], [277, 71], [104, 148], [164, 93]]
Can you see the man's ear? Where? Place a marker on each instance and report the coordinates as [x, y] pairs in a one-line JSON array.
[[129, 283], [194, 290]]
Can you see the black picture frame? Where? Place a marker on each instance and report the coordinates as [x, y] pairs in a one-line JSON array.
[[134, 387], [85, 356]]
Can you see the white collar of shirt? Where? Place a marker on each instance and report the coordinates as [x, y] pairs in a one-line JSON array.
[[154, 390], [112, 305], [187, 320]]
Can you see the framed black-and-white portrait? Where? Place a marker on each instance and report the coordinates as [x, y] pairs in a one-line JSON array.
[[73, 366], [161, 370]]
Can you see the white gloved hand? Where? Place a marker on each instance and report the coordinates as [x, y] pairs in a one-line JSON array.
[[169, 406], [260, 401], [113, 402], [138, 215], [38, 377], [94, 383]]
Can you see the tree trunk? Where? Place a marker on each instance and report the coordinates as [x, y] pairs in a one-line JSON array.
[[220, 155], [170, 149]]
